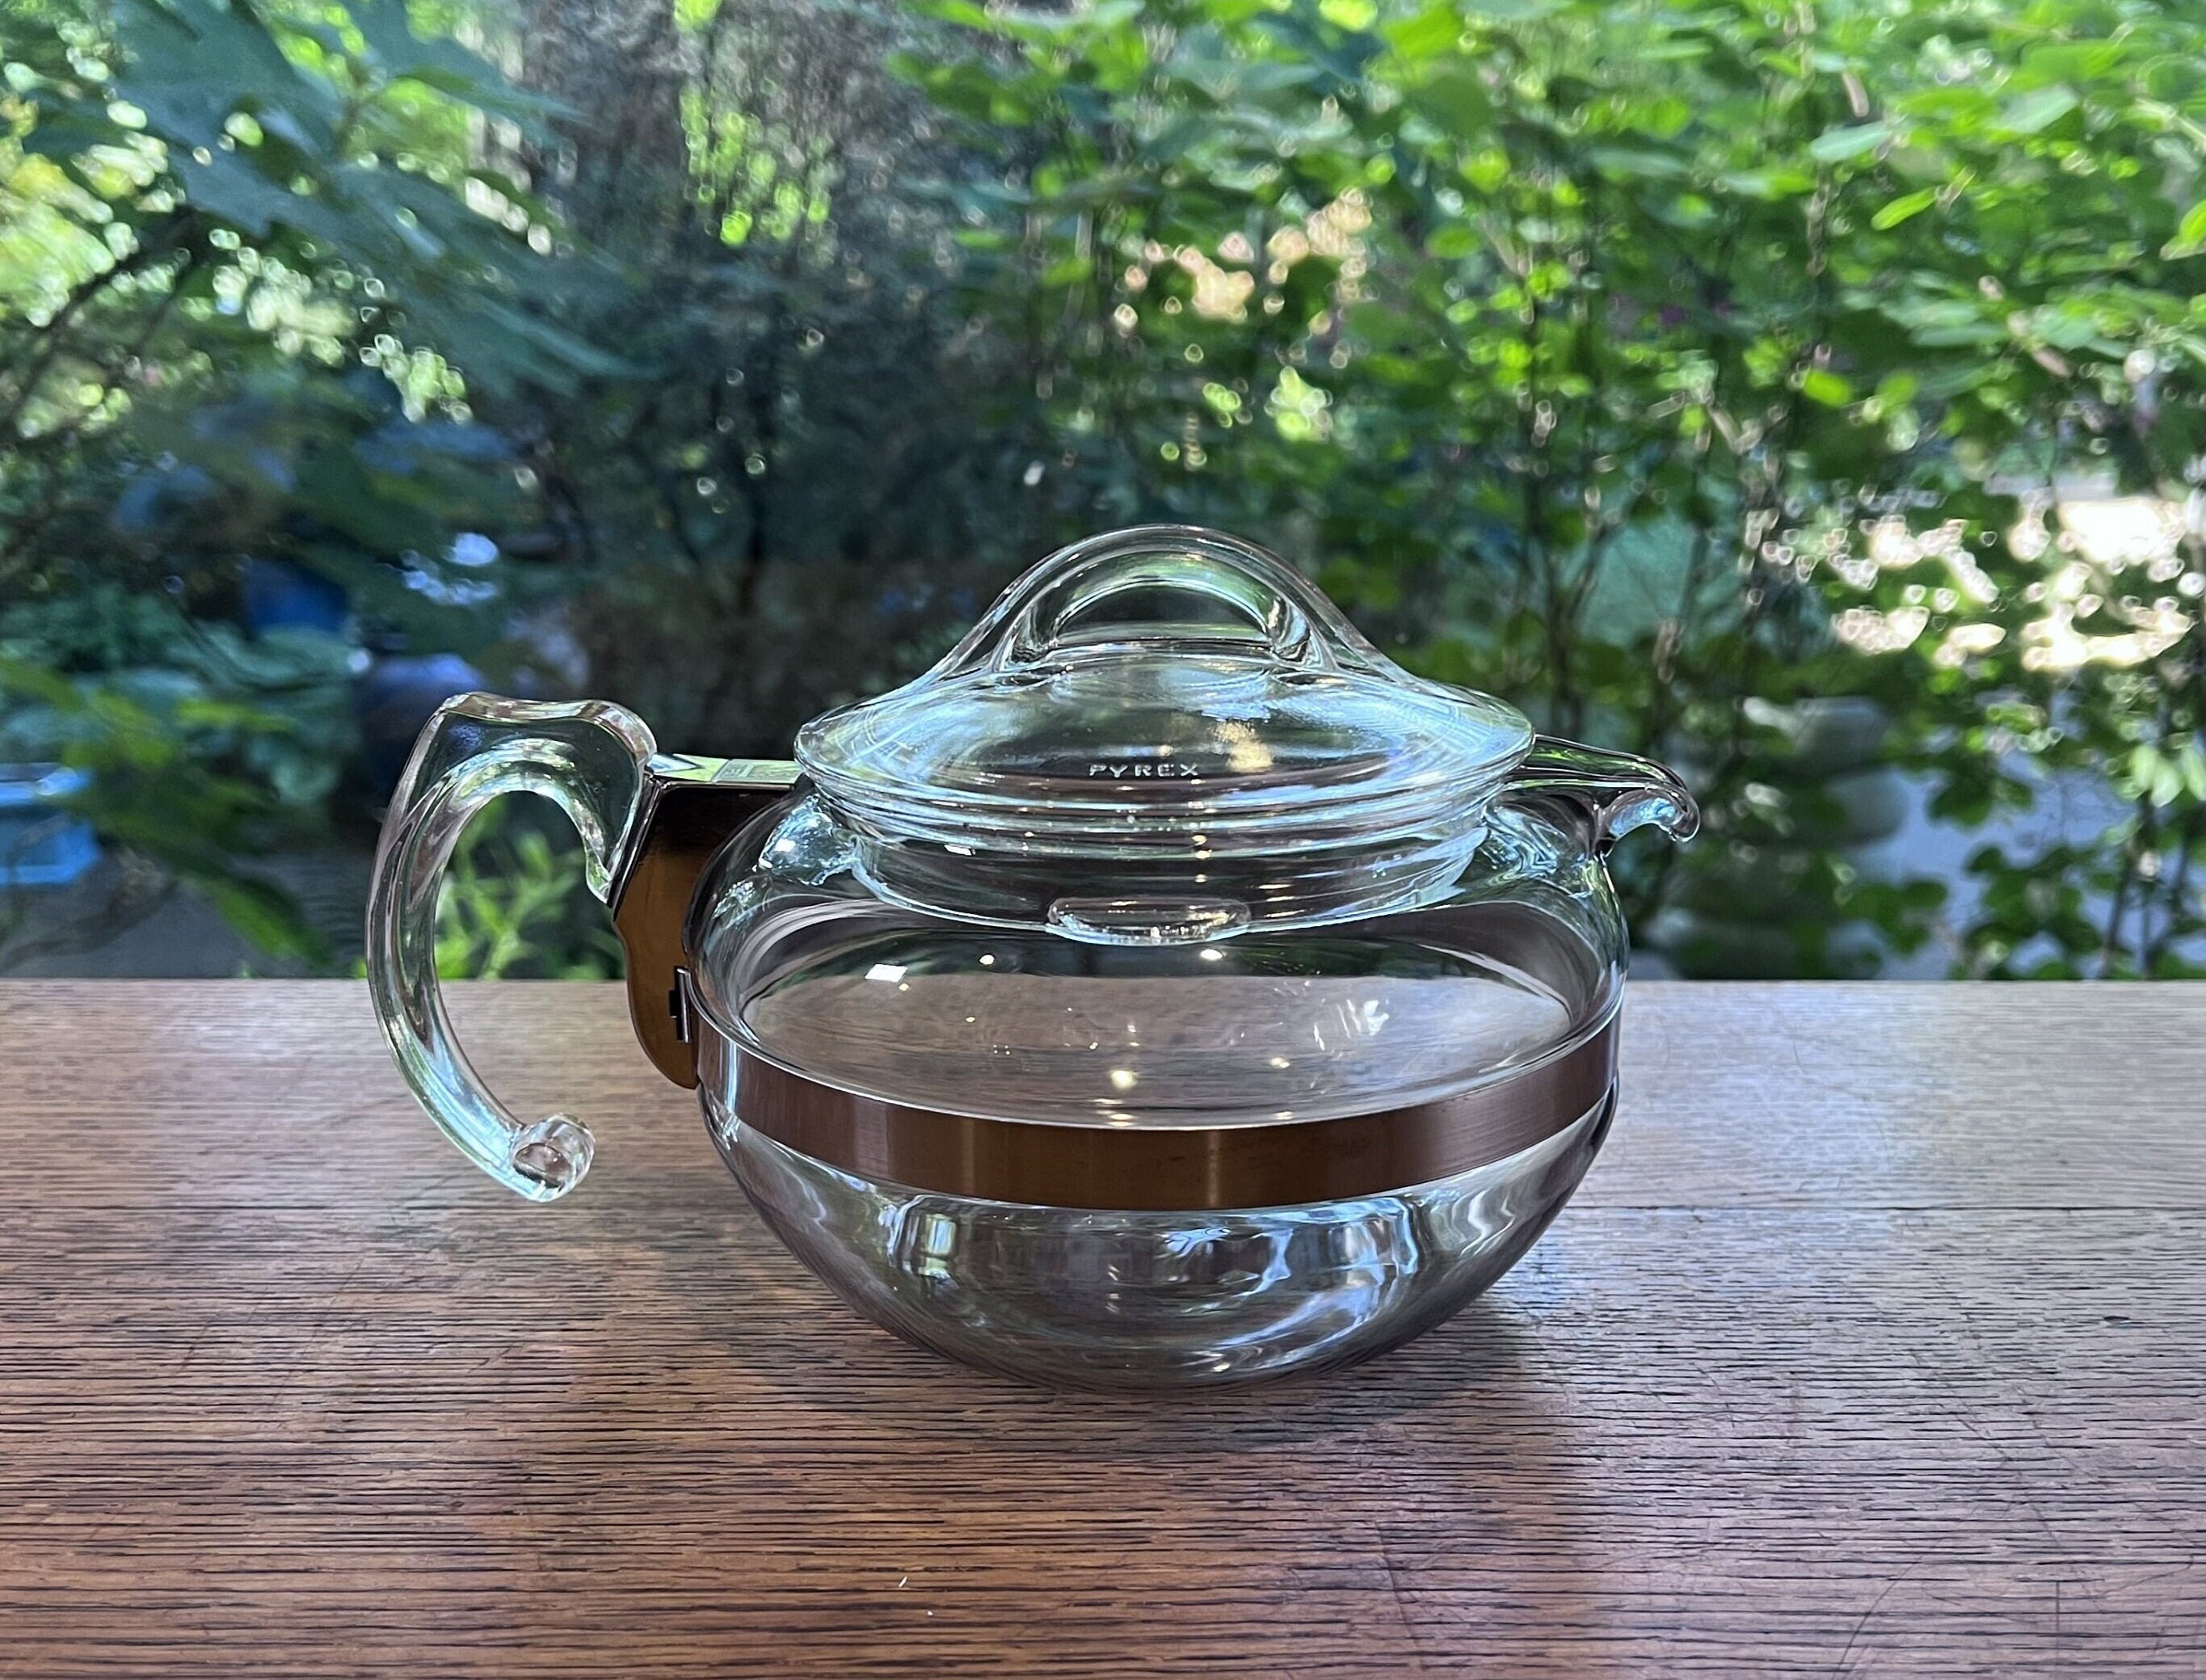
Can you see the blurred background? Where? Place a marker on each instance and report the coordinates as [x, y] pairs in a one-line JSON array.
[[1809, 393]]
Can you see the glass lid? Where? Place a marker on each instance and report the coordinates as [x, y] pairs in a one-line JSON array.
[[1163, 688]]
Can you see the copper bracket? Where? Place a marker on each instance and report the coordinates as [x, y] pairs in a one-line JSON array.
[[692, 808]]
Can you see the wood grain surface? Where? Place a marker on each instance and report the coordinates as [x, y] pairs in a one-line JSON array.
[[1874, 1345]]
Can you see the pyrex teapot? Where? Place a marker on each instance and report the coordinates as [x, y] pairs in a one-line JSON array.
[[1165, 988]]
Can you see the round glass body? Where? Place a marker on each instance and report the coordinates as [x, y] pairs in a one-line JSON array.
[[1483, 1017]]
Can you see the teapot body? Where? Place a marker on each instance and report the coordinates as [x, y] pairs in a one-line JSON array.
[[1157, 1163], [1111, 1086]]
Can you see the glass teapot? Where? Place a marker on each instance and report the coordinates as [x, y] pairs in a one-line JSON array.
[[1164, 989]]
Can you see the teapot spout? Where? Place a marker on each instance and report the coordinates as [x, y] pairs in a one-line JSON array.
[[1611, 793]]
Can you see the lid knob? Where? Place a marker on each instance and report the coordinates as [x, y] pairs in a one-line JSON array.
[[1067, 599]]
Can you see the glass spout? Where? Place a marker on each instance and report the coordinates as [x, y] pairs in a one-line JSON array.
[[1611, 793]]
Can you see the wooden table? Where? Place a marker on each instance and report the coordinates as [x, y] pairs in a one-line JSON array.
[[1872, 1346]]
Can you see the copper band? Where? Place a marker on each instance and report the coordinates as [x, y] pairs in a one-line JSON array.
[[1165, 1169]]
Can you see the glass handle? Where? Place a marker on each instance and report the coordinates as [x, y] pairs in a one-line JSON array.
[[588, 759], [1611, 793]]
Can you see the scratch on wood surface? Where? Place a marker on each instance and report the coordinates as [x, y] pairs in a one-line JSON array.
[[1867, 1615]]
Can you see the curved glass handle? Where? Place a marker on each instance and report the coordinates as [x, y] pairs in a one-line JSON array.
[[1291, 616], [1611, 793], [588, 759]]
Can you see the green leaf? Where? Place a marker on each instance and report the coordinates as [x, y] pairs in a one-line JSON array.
[[189, 65], [2167, 782], [1836, 146], [60, 134], [1780, 180], [444, 64], [1633, 164], [2190, 763], [1454, 98], [2038, 109], [2142, 771], [1901, 208], [1820, 385], [1947, 322], [229, 188], [265, 914], [965, 13], [1453, 242], [2190, 234], [1430, 34]]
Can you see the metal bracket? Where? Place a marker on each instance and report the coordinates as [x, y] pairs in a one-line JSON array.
[[677, 1005], [696, 805]]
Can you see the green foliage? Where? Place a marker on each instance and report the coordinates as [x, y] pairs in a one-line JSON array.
[[1804, 394], [274, 229], [514, 906], [799, 492], [333, 146], [203, 751], [273, 708], [1668, 371], [232, 235]]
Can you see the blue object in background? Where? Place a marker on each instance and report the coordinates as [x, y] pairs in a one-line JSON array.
[[280, 596], [395, 697], [40, 844]]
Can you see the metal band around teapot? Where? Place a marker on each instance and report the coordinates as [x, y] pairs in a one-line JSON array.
[[1161, 1168]]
